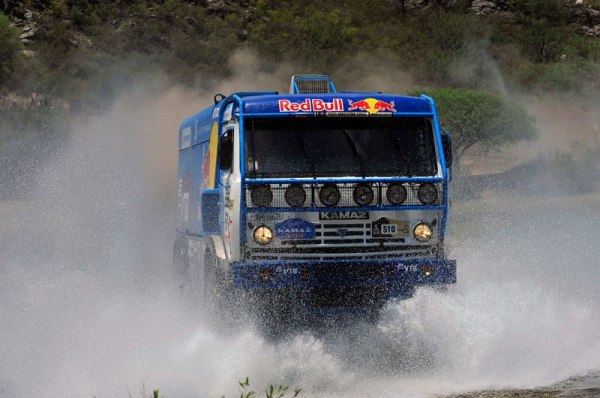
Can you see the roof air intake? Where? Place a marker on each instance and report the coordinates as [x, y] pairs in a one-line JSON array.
[[311, 84]]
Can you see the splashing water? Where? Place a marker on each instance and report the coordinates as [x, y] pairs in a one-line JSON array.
[[88, 308]]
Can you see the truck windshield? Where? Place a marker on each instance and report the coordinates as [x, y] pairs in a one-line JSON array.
[[325, 147]]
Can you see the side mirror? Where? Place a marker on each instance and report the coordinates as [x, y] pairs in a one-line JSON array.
[[226, 151], [447, 147]]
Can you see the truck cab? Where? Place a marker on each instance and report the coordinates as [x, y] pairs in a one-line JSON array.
[[339, 199]]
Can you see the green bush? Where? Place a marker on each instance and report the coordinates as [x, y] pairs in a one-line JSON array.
[[480, 118], [10, 50]]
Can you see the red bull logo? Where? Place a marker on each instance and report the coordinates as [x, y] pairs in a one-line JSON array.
[[371, 105], [312, 105]]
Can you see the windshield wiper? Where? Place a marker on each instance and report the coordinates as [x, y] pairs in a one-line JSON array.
[[306, 155], [400, 155], [352, 145]]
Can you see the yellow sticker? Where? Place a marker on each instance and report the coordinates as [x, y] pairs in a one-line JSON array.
[[214, 146]]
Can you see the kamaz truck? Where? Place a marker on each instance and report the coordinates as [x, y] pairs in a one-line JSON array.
[[336, 201]]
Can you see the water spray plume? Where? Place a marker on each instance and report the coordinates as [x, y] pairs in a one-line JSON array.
[[88, 306]]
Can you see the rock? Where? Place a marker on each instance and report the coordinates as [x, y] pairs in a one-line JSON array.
[[591, 31], [482, 7], [588, 18], [27, 34], [487, 7], [79, 39], [28, 53], [29, 31], [416, 4]]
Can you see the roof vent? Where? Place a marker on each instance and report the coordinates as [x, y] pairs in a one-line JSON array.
[[311, 84]]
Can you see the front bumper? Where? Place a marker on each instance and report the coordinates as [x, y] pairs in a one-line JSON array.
[[306, 274]]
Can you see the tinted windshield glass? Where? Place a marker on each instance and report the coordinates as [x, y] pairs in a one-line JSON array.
[[298, 147]]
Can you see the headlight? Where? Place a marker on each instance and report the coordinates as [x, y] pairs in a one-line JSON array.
[[329, 195], [262, 196], [422, 232], [263, 235], [363, 194], [295, 195], [427, 193], [396, 194]]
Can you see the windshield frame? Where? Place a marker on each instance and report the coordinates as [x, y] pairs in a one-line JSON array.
[[430, 147]]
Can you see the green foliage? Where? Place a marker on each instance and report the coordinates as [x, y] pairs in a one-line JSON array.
[[309, 33], [86, 49], [440, 41], [543, 28], [271, 392], [543, 42], [553, 11], [10, 48], [155, 393], [480, 118]]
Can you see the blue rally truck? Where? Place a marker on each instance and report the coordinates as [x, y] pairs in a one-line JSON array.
[[335, 200]]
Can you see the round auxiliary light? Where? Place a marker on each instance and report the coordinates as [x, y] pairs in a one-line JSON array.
[[329, 195], [295, 196], [262, 196], [427, 193], [396, 194], [422, 232], [363, 194], [263, 235]]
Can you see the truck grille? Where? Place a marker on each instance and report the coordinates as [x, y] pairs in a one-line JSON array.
[[310, 84], [340, 241]]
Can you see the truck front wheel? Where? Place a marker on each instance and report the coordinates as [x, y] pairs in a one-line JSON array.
[[214, 290], [181, 262]]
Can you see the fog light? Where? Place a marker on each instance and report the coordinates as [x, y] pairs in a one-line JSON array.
[[295, 196], [265, 275], [427, 194], [396, 194], [422, 232], [263, 235], [363, 194], [262, 196], [427, 270], [329, 195]]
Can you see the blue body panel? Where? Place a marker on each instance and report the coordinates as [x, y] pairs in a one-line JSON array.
[[384, 272], [200, 124], [191, 156]]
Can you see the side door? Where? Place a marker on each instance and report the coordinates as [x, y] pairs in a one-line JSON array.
[[229, 187]]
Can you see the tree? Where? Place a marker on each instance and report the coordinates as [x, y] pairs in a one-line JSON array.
[[10, 49], [310, 34], [544, 28], [480, 118]]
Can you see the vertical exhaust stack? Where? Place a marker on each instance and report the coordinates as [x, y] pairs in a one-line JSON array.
[[311, 84]]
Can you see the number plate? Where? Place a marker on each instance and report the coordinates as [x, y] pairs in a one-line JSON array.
[[387, 228]]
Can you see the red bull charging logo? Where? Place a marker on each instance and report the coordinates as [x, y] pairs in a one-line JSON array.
[[371, 105]]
